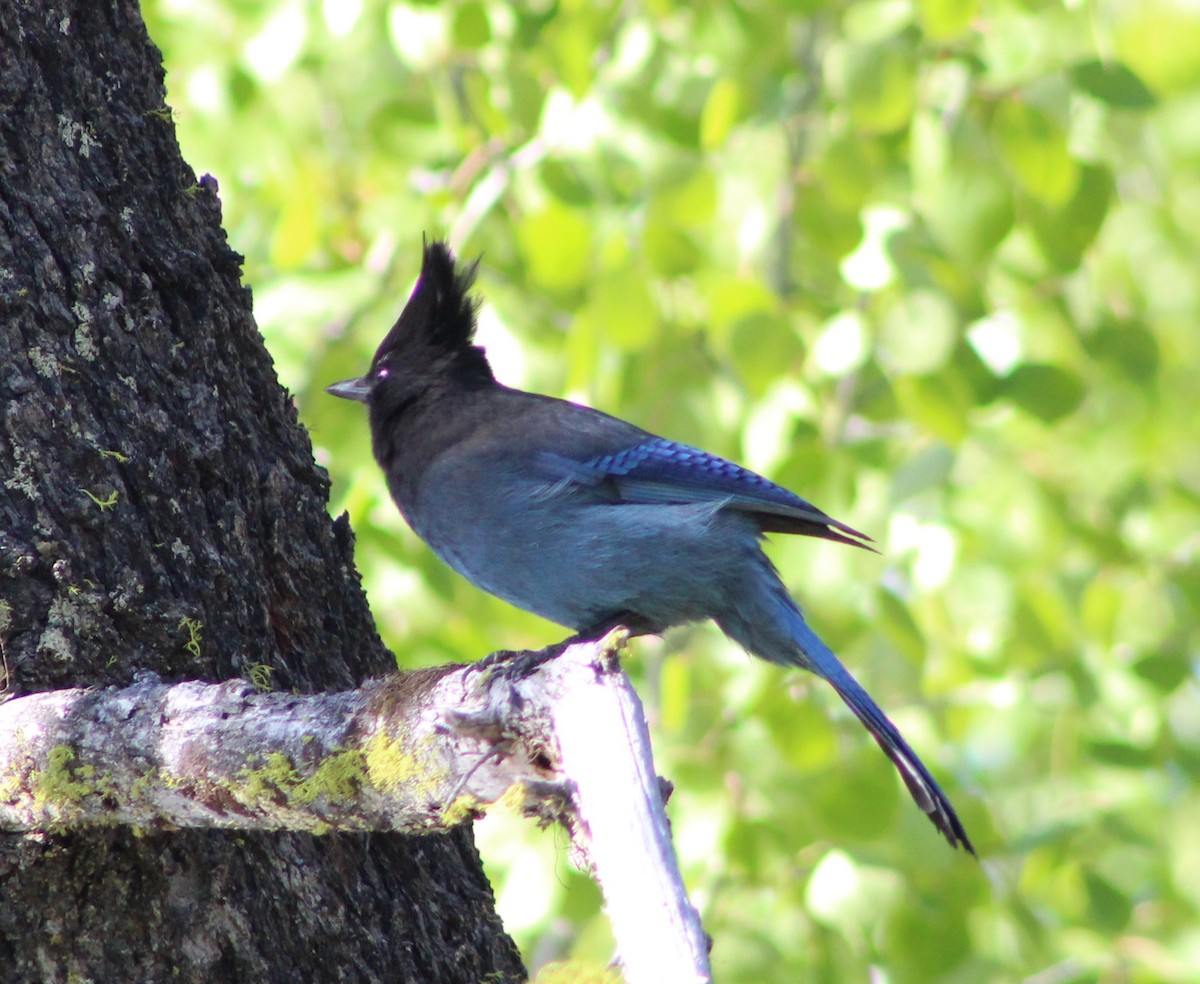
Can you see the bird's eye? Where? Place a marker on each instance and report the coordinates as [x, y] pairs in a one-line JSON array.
[[381, 373]]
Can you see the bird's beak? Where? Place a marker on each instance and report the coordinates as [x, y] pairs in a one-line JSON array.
[[351, 389]]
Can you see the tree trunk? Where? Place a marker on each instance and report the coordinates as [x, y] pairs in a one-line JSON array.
[[160, 510]]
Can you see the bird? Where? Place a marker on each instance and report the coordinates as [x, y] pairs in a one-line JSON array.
[[585, 519]]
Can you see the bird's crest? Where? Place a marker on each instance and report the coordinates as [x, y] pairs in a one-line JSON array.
[[437, 324]]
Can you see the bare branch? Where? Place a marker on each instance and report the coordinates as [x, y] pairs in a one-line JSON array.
[[156, 755], [604, 746], [419, 753]]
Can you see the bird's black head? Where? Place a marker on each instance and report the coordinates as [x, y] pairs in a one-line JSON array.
[[431, 343]]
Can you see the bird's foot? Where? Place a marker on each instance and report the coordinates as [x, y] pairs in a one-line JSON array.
[[604, 631], [514, 665]]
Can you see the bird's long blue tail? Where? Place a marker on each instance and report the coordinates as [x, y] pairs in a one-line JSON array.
[[781, 635]]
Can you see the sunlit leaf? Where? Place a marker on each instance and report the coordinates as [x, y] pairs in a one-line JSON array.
[[720, 113], [938, 403], [763, 345], [471, 27], [964, 198], [1066, 231], [572, 44], [945, 19], [1100, 608], [1158, 42], [919, 332], [671, 251], [1034, 146], [880, 85], [623, 309], [557, 246]]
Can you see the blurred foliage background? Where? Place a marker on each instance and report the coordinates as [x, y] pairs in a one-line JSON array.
[[931, 263]]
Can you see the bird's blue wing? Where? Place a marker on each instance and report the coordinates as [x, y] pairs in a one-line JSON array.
[[656, 470]]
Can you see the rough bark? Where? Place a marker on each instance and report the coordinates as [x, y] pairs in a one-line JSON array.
[[160, 510]]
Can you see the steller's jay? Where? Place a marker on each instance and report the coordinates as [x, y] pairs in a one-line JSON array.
[[585, 519]]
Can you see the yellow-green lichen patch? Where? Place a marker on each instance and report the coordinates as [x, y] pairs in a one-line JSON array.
[[464, 808], [337, 779], [10, 789], [278, 776], [143, 786], [62, 786], [577, 972], [388, 764], [514, 798]]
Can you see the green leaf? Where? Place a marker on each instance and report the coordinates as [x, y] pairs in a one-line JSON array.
[[848, 170], [1159, 41], [1114, 83], [297, 232], [526, 98], [731, 298], [939, 403], [566, 182], [573, 47], [1166, 671], [477, 87], [900, 627], [671, 251], [918, 333], [1047, 392], [720, 113], [1065, 232], [1099, 608], [880, 85], [1130, 348], [623, 309], [677, 206], [1034, 146], [1121, 754], [688, 199], [763, 345], [943, 20], [471, 26], [927, 470], [1109, 908], [557, 246], [947, 923], [875, 782], [963, 196], [830, 233]]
